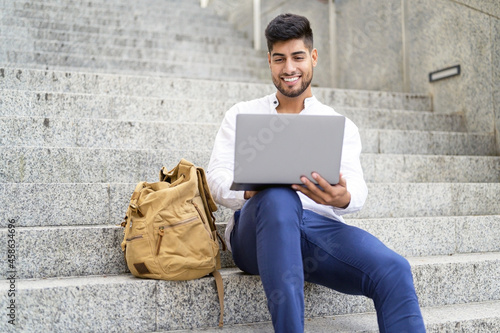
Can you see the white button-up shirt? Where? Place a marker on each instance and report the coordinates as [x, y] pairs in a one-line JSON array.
[[220, 168]]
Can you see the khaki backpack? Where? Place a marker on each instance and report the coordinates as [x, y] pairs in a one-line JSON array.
[[170, 230]]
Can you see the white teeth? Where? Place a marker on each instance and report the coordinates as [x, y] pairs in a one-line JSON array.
[[291, 79]]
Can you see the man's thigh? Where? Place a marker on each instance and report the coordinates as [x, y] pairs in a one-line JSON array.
[[270, 216], [340, 256]]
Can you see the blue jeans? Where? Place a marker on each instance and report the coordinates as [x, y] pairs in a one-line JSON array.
[[275, 238]]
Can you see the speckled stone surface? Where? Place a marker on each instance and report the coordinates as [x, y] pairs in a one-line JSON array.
[[97, 133], [95, 250], [58, 132], [397, 168], [426, 236], [181, 311], [403, 119], [419, 200], [95, 204], [462, 278], [44, 252], [97, 304], [129, 85], [159, 38], [187, 304], [481, 317], [49, 104], [202, 71], [495, 27], [55, 204], [95, 165], [157, 87], [419, 142], [144, 53], [76, 36], [374, 99], [478, 234]]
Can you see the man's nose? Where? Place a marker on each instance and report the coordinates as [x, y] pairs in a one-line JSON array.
[[290, 66]]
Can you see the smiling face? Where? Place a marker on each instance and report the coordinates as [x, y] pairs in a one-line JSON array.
[[292, 64]]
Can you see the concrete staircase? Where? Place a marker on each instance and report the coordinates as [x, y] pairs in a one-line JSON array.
[[80, 79]]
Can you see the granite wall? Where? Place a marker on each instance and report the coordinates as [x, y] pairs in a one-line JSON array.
[[438, 34], [496, 79]]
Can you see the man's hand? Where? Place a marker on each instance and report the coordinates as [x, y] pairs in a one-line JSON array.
[[336, 195], [249, 194]]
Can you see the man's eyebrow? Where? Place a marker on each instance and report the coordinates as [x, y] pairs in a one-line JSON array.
[[293, 54]]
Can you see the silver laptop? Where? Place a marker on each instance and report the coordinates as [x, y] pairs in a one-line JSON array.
[[277, 149]]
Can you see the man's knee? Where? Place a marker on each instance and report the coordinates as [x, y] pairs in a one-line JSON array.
[[395, 272], [279, 197], [279, 206]]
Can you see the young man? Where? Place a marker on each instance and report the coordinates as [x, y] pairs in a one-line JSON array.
[[292, 235]]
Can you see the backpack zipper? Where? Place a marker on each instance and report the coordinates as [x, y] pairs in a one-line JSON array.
[[201, 217], [132, 238], [161, 231]]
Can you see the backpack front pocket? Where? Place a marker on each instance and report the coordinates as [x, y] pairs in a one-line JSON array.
[[185, 247], [138, 256]]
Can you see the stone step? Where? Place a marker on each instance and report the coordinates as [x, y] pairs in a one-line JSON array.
[[49, 104], [403, 119], [116, 4], [431, 142], [167, 87], [65, 165], [406, 168], [155, 14], [152, 39], [472, 317], [169, 71], [105, 203], [124, 303], [23, 51], [173, 23], [113, 8], [106, 133], [121, 45], [374, 99], [95, 250], [46, 104], [182, 68], [426, 199]]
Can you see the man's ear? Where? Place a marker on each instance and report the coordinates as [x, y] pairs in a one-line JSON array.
[[269, 58], [314, 56]]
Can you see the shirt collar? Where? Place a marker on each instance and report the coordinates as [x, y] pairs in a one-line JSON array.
[[273, 102]]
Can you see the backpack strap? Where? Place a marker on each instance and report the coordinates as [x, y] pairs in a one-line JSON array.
[[220, 293], [209, 204]]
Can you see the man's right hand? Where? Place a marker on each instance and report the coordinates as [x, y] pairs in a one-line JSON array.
[[249, 194]]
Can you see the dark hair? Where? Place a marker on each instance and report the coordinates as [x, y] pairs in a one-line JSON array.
[[289, 26]]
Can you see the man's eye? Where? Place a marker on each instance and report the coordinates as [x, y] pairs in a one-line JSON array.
[[278, 60]]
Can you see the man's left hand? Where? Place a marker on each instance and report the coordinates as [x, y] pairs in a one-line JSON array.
[[332, 195]]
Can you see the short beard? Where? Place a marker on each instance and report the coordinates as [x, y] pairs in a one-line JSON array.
[[292, 94]]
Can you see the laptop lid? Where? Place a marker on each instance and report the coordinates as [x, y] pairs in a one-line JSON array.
[[277, 149]]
